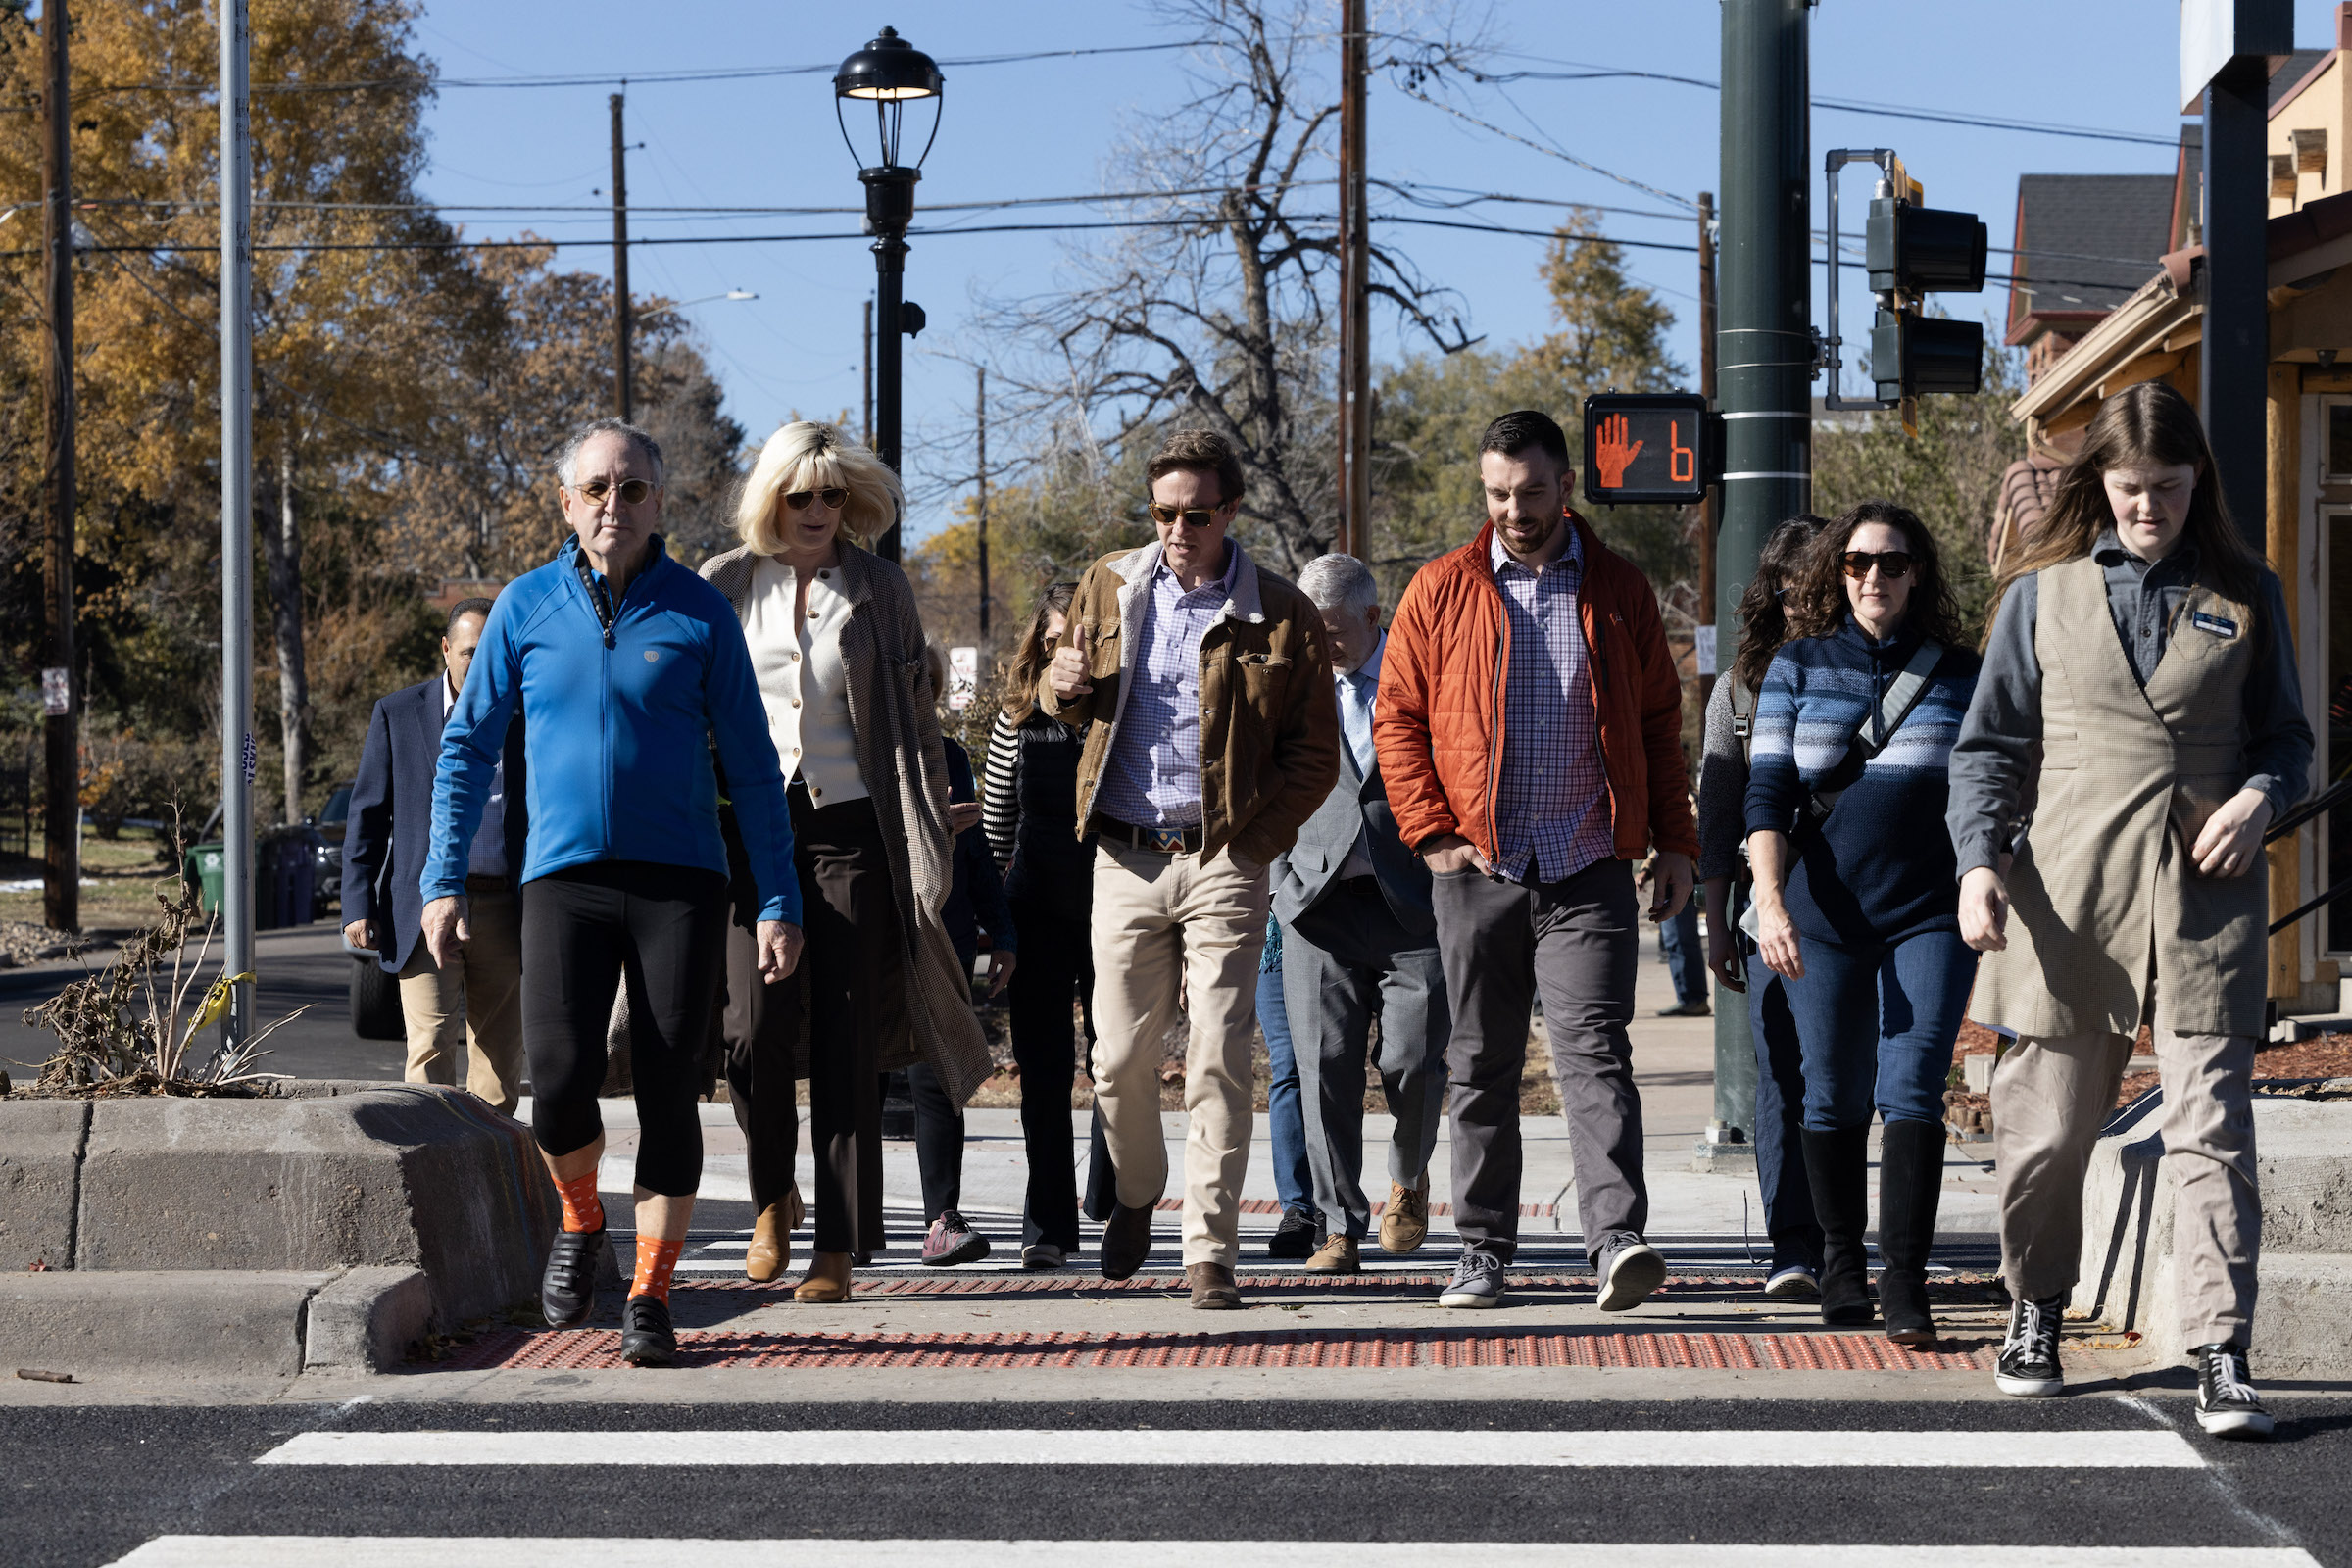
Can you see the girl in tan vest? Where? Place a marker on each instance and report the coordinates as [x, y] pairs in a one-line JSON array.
[[2136, 726]]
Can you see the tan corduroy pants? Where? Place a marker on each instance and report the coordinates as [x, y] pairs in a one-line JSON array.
[[1166, 924], [2050, 1097], [477, 1003]]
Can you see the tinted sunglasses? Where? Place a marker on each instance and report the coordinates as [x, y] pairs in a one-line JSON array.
[[833, 496], [1892, 564], [632, 491], [1192, 518]]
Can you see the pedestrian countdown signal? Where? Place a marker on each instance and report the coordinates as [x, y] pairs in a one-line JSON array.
[[1650, 447]]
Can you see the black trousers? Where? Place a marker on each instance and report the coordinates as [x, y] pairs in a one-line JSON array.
[[586, 930], [1056, 962], [851, 980], [938, 1141]]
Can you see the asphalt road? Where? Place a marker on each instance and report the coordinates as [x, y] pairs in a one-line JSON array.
[[297, 966], [90, 1485]]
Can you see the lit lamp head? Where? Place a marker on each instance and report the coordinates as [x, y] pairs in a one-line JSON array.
[[889, 73]]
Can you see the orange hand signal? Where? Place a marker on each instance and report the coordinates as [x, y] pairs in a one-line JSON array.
[[1612, 455]]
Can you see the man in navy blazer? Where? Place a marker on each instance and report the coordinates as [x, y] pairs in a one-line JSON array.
[[384, 850], [1360, 942]]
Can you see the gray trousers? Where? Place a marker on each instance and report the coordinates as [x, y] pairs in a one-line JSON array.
[[1344, 962], [1579, 942]]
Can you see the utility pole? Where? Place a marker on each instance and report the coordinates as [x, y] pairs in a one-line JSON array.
[[60, 876], [1356, 312], [621, 265], [1710, 511], [982, 514], [236, 517], [869, 370]]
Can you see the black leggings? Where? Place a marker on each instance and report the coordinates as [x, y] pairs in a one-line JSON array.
[[1056, 964], [584, 928]]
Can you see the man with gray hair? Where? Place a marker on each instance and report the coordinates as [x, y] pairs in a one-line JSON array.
[[1360, 942]]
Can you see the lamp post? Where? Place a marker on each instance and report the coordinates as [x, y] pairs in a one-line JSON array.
[[889, 73]]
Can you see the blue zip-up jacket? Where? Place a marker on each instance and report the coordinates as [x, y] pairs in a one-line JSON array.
[[622, 725]]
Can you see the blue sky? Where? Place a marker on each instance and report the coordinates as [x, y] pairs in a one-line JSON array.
[[1045, 127]]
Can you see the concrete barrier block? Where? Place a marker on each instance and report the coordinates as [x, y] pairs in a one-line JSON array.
[[2299, 1329], [366, 1319], [175, 1323], [40, 1160]]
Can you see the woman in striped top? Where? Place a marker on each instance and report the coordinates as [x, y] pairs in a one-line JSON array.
[[1858, 910]]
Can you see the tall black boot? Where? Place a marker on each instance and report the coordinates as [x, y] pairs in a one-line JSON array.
[[1837, 1168], [1910, 1185]]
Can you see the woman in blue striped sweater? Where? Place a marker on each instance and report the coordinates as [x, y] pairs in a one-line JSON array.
[[1858, 908]]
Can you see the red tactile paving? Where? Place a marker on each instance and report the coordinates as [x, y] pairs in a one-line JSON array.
[[1052, 1284], [1268, 1206], [582, 1350]]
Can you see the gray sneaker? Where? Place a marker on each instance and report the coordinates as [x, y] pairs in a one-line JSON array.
[[1628, 1274], [1477, 1281]]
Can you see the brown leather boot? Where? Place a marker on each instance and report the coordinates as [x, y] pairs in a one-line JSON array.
[[1213, 1290], [770, 1252], [828, 1279], [795, 1211]]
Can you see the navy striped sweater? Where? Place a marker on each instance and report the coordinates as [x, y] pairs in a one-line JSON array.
[[1881, 864]]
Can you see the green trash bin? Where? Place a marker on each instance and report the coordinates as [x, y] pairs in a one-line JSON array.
[[206, 869]]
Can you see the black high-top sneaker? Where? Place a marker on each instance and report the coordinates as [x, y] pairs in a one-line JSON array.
[[2029, 1363], [2226, 1404]]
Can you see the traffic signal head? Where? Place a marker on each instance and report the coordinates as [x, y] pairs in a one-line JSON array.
[[1912, 354], [1920, 250]]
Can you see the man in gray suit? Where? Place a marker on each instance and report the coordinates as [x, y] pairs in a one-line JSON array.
[[1360, 943]]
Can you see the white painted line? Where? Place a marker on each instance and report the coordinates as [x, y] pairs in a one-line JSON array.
[[1714, 1450], [493, 1551]]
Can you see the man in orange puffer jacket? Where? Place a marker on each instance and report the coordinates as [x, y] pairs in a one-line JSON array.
[[1530, 731]]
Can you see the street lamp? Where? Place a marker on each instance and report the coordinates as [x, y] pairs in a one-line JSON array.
[[680, 304], [889, 73]]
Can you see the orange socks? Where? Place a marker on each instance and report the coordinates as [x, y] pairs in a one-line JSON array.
[[654, 1259], [584, 1210]]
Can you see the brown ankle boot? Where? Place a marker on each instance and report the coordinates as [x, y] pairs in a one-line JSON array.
[[770, 1252], [795, 1211], [828, 1279]]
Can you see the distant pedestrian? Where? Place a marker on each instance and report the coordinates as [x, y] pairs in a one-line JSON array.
[[837, 648], [2141, 708], [1030, 814], [1361, 952], [1855, 903], [1778, 1127], [1213, 737], [1680, 950], [478, 1000], [633, 675], [1301, 1229], [1530, 741]]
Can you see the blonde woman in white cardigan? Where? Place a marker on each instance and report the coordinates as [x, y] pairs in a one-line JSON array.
[[837, 649]]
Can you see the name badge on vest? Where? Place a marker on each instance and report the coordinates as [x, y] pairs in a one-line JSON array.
[[2219, 625]]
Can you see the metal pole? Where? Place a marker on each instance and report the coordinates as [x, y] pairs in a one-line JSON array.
[[889, 208], [2236, 349], [622, 374], [61, 886], [236, 515], [1355, 316], [868, 351], [1764, 341], [1710, 511], [982, 518]]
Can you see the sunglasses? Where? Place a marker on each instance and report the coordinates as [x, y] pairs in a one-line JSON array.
[[1892, 564], [1195, 518], [632, 491], [833, 496]]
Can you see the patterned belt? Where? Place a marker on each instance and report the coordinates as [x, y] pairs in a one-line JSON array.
[[1159, 840]]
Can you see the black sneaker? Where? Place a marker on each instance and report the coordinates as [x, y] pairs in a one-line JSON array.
[[1295, 1237], [2226, 1404], [568, 1287], [645, 1337], [2029, 1363]]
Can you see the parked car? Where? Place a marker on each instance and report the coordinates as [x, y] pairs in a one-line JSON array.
[[331, 822]]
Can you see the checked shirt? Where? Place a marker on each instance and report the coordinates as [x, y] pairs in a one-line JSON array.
[[1551, 810]]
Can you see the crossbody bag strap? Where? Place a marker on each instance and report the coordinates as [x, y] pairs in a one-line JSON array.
[[1902, 695]]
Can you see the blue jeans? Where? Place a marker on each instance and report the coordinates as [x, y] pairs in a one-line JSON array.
[[1286, 1118], [1686, 955], [1876, 1023], [1787, 1193]]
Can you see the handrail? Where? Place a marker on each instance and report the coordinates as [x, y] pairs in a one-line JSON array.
[[2329, 798]]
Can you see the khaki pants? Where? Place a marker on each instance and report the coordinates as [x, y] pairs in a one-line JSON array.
[[478, 998], [2049, 1099], [1165, 923]]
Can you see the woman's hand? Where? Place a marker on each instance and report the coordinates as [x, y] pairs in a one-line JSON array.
[[1984, 911], [1722, 947], [1001, 961], [962, 817], [2232, 843], [1778, 941]]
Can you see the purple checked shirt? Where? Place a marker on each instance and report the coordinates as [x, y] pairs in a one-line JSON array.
[[1154, 774], [1551, 811]]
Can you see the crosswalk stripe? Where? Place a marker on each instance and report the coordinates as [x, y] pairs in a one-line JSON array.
[[490, 1551], [2127, 1450]]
